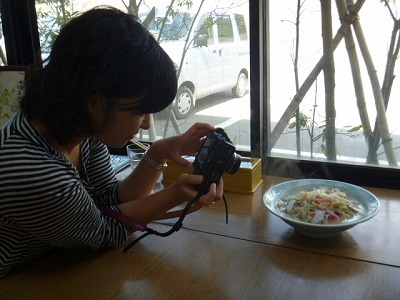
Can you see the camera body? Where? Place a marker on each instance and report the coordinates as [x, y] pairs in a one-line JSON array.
[[216, 156]]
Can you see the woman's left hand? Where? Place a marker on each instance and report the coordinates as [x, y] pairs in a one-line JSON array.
[[188, 143]]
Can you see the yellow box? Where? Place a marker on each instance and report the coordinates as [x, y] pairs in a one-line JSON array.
[[246, 180]]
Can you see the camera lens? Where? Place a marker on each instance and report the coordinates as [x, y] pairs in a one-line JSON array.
[[233, 164]]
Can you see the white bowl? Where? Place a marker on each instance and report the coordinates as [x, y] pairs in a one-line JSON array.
[[369, 202]]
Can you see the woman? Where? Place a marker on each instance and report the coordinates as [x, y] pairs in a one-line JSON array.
[[104, 76]]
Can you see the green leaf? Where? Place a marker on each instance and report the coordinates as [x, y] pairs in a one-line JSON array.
[[324, 150], [355, 128], [317, 137]]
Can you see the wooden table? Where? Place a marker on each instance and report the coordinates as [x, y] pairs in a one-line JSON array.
[[255, 256]]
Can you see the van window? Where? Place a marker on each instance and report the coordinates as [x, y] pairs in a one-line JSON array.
[[225, 31], [206, 29], [241, 26]]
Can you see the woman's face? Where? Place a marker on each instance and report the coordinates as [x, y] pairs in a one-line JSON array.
[[124, 123]]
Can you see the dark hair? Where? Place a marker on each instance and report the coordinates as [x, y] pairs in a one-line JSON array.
[[103, 51]]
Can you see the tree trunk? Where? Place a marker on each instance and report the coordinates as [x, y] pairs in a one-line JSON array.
[[294, 104], [296, 77], [133, 7], [356, 73], [379, 104], [393, 53], [329, 79]]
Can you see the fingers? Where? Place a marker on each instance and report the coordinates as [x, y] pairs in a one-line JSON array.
[[179, 160], [209, 198], [220, 189], [199, 130], [214, 194], [188, 143], [202, 126], [187, 185]]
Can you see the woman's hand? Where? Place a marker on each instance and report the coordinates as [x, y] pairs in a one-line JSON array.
[[185, 186], [188, 143], [147, 208]]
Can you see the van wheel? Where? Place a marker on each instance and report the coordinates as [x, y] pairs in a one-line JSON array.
[[184, 103], [240, 89]]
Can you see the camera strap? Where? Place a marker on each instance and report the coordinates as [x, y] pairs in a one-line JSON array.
[[178, 224], [175, 227], [191, 206], [138, 225]]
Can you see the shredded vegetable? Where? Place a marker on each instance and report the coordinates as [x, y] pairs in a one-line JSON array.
[[320, 206]]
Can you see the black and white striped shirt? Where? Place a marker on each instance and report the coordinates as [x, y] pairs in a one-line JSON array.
[[43, 201]]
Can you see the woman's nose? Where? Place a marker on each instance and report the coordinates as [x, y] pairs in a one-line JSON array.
[[146, 122]]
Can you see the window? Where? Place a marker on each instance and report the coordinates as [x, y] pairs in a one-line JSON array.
[[241, 25], [216, 89], [205, 28], [308, 133], [225, 31]]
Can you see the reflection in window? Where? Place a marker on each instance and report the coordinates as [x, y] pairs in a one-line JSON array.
[[213, 84]]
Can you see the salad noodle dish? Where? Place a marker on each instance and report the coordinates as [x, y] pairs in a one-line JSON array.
[[321, 206]]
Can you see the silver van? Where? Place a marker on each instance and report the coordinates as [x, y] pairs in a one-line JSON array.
[[211, 51]]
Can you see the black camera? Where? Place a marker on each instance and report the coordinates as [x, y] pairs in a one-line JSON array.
[[216, 156]]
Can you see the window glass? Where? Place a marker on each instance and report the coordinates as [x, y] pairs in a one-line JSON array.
[[174, 28], [206, 28], [225, 30], [213, 82], [241, 26], [353, 128]]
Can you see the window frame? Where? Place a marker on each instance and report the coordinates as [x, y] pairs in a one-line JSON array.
[[20, 32]]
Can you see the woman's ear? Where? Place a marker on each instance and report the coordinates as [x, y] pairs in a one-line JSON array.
[[97, 108], [94, 100]]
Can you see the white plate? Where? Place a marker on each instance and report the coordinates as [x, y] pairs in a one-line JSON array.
[[279, 191]]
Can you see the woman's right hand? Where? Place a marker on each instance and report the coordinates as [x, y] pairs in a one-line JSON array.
[[147, 208], [185, 186]]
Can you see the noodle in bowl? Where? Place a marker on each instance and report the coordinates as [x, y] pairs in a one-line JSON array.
[[320, 208]]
